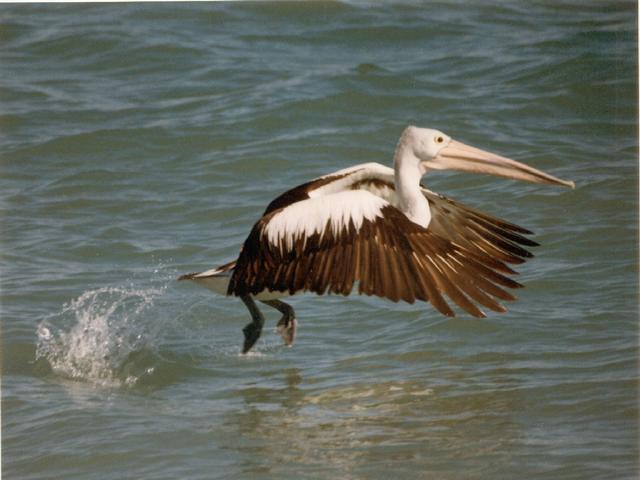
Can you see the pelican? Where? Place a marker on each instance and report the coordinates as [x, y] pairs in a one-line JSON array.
[[380, 229]]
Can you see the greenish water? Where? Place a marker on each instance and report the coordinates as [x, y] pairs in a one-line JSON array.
[[141, 141]]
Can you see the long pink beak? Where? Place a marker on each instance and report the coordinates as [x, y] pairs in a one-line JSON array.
[[458, 156]]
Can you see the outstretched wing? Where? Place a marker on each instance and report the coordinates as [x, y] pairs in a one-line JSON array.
[[326, 243], [477, 231]]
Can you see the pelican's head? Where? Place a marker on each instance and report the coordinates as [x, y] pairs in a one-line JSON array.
[[437, 151]]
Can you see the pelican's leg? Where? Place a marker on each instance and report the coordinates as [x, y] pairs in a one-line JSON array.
[[253, 330], [288, 324]]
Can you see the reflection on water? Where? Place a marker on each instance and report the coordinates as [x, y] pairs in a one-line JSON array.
[[361, 428]]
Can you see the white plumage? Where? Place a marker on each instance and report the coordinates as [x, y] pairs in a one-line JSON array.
[[335, 211]]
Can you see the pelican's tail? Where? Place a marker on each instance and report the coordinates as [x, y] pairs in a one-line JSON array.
[[216, 279]]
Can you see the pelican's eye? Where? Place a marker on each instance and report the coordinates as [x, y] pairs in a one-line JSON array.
[[439, 139]]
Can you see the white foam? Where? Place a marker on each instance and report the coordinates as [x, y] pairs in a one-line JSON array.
[[92, 337]]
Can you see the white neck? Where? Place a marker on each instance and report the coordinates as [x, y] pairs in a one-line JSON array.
[[407, 177]]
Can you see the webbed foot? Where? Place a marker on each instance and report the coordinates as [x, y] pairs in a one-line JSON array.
[[287, 327], [253, 330], [251, 335]]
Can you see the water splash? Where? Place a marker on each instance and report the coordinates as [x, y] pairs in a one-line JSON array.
[[93, 337]]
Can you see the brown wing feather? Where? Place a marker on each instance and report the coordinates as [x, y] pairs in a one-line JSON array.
[[476, 231], [390, 257]]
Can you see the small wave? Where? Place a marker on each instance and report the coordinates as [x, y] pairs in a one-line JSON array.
[[94, 336]]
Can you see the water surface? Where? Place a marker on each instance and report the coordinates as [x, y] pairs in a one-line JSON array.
[[141, 141]]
